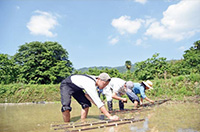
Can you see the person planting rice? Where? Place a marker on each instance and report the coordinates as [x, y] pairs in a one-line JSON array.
[[74, 86], [140, 88], [114, 90]]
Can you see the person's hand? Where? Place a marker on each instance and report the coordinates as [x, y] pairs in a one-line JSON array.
[[124, 100], [114, 117], [152, 101]]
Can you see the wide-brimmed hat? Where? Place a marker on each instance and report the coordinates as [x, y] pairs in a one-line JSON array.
[[148, 83], [104, 77]]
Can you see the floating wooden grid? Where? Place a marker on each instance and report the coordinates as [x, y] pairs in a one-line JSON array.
[[127, 110], [159, 102], [72, 127]]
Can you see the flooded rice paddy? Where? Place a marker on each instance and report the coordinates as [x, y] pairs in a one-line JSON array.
[[167, 117]]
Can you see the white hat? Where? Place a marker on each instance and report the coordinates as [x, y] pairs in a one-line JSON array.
[[129, 85], [104, 77], [148, 83]]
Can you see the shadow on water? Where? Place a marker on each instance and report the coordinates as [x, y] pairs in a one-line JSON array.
[[168, 117]]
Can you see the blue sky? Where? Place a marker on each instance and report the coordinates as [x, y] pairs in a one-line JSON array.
[[102, 32]]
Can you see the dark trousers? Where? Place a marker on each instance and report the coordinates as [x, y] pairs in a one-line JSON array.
[[68, 89], [132, 96]]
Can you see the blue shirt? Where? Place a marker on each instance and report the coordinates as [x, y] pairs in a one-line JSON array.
[[139, 89]]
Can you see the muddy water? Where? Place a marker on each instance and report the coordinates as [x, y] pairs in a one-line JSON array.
[[168, 117]]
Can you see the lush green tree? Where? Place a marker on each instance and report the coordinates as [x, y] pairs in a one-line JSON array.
[[151, 68], [8, 69], [189, 64], [191, 59], [95, 71], [197, 45], [112, 72], [177, 68], [77, 72], [43, 63]]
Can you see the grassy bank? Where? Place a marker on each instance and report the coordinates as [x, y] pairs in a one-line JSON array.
[[176, 88], [18, 93]]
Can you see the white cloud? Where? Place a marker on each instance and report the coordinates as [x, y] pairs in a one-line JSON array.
[[125, 25], [141, 1], [179, 21], [113, 41], [42, 23], [142, 42]]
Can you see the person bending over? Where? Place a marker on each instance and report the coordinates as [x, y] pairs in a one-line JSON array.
[[140, 88], [114, 90], [75, 85]]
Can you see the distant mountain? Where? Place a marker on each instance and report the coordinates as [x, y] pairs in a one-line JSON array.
[[121, 69]]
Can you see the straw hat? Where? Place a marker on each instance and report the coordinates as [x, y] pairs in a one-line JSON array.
[[148, 83]]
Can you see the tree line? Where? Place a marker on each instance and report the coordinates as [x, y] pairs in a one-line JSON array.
[[48, 63]]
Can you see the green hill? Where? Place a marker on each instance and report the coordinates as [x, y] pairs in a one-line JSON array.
[[121, 69]]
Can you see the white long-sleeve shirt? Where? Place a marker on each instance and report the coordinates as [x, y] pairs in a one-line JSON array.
[[89, 86], [116, 85]]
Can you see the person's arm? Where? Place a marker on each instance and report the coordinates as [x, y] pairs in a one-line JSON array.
[[114, 96], [151, 101], [142, 93], [105, 112]]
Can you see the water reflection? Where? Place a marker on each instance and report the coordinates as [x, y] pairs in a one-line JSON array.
[[39, 117], [186, 130], [30, 117], [143, 129]]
